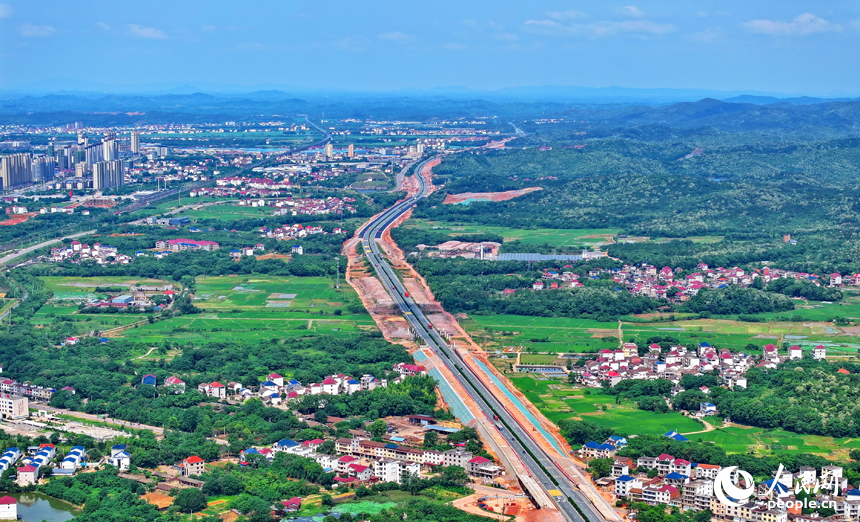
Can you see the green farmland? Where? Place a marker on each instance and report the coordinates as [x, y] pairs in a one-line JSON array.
[[559, 400], [574, 238], [550, 334], [259, 308]]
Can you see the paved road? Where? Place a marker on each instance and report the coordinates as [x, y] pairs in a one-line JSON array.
[[517, 436], [19, 253]]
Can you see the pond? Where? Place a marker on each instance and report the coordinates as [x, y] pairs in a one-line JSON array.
[[36, 507]]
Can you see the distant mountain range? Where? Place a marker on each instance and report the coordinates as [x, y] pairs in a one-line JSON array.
[[612, 106]]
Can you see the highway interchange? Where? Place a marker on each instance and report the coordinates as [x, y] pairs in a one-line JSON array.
[[541, 466]]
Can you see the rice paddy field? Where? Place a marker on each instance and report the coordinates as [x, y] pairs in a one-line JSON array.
[[553, 334], [576, 239], [227, 212], [559, 400], [807, 326], [259, 308], [70, 291]]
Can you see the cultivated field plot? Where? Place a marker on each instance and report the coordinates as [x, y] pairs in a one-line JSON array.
[[550, 334], [227, 212], [87, 285], [205, 328], [736, 335], [69, 291], [575, 238], [743, 439], [558, 400], [237, 308], [257, 291]]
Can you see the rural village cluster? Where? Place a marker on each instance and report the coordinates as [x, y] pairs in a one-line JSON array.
[[85, 173]]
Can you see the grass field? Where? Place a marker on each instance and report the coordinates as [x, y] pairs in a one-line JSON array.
[[87, 285], [557, 334], [259, 308], [69, 291], [228, 211], [559, 400], [574, 238]]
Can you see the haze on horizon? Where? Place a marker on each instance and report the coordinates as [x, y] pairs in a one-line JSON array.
[[792, 47]]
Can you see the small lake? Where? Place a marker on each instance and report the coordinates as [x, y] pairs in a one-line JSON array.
[[36, 507]]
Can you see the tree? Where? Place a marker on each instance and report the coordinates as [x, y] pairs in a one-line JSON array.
[[190, 500], [600, 467], [378, 428], [431, 439]]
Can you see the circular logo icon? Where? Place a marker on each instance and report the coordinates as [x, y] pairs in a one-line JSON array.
[[728, 493]]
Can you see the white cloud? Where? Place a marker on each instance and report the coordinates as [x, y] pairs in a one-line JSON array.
[[632, 11], [102, 25], [150, 33], [37, 31], [455, 46], [803, 25], [5, 10], [570, 14], [396, 36], [507, 37], [600, 29], [208, 28], [634, 27], [708, 35]]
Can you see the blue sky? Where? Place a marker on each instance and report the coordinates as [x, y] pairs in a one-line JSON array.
[[788, 46]]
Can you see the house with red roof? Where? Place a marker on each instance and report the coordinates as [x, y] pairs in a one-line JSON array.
[[292, 505], [175, 385], [8, 508], [406, 370], [213, 389], [27, 475], [193, 465]]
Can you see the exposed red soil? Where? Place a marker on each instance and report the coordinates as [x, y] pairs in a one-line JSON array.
[[488, 196], [17, 219]]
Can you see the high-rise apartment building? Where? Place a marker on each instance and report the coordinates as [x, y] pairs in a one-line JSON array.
[[110, 151], [351, 151], [15, 169], [135, 142], [108, 174], [43, 169], [329, 150]]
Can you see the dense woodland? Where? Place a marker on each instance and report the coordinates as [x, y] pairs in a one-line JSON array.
[[742, 188]]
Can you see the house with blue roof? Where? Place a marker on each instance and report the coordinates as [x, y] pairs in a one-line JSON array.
[[288, 445], [596, 450], [118, 448], [121, 460], [674, 435], [148, 379], [677, 479], [624, 484], [268, 386], [776, 489], [707, 408]]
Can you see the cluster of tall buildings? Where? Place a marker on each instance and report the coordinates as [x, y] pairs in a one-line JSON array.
[[102, 158]]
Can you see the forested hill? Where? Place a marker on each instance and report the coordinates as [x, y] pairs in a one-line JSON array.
[[754, 193]]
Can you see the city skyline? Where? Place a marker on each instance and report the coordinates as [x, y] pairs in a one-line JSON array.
[[795, 48]]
